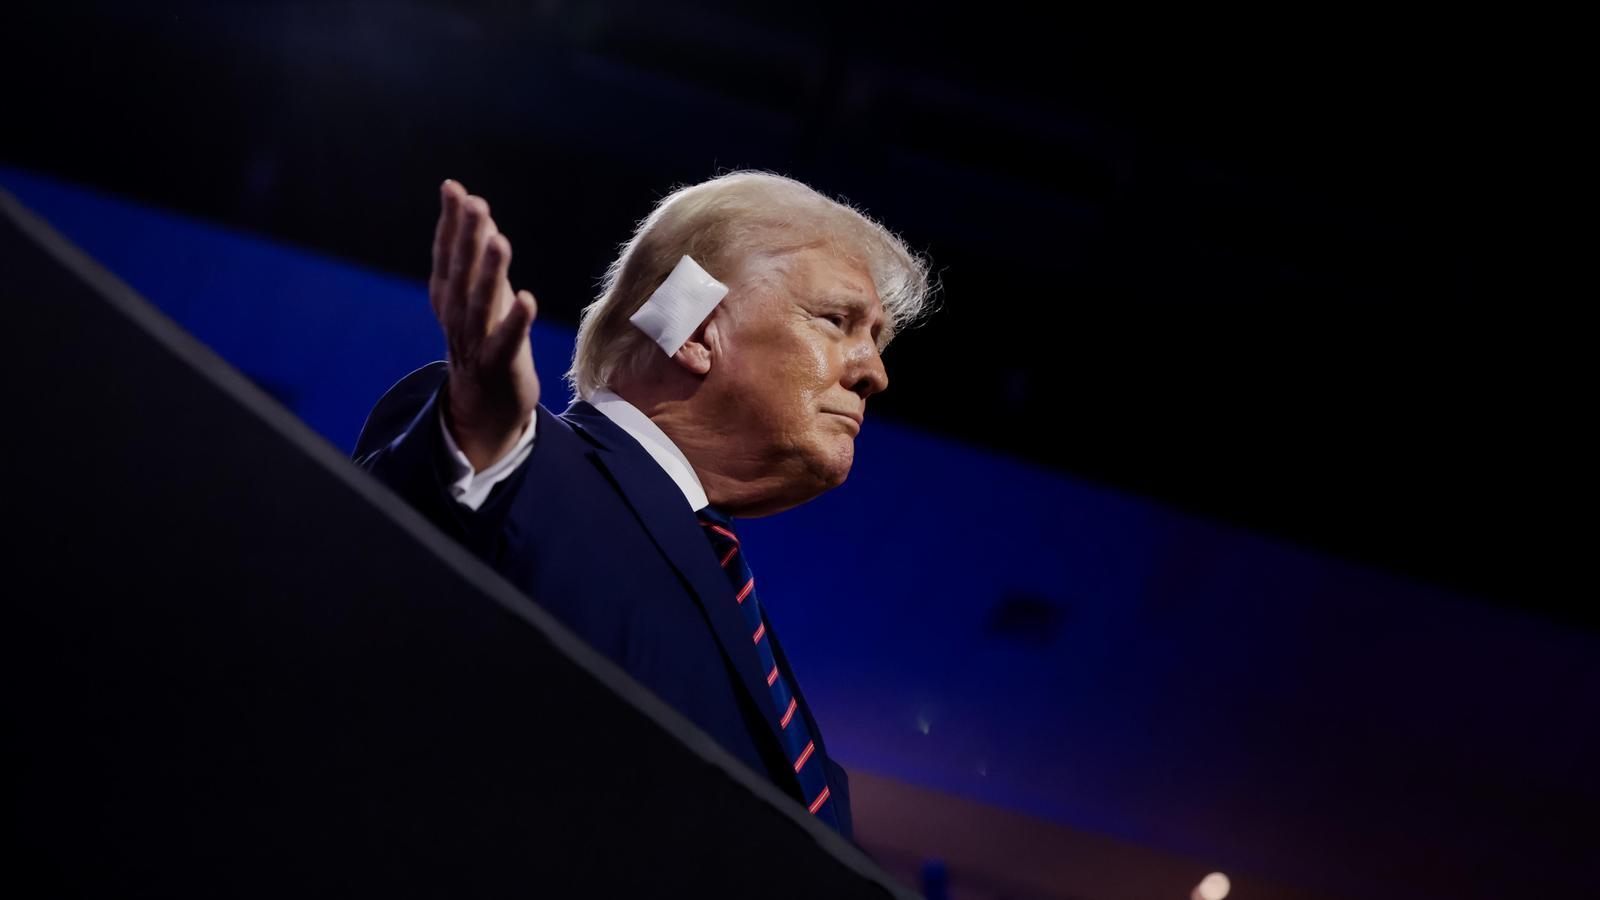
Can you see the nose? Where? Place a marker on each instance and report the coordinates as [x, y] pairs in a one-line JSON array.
[[866, 375]]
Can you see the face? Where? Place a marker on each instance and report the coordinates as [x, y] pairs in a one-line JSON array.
[[796, 359]]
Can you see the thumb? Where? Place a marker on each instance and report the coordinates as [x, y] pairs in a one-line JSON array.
[[508, 336]]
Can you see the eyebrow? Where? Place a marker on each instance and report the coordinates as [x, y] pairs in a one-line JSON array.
[[856, 302]]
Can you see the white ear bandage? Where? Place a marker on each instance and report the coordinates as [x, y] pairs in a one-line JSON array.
[[678, 307]]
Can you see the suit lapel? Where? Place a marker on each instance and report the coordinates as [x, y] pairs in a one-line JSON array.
[[662, 511]]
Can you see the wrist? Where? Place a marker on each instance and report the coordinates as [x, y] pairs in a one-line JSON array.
[[484, 440]]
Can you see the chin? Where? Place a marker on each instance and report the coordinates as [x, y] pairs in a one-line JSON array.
[[838, 477], [823, 463], [834, 467]]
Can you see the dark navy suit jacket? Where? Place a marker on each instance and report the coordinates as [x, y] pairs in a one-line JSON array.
[[593, 530]]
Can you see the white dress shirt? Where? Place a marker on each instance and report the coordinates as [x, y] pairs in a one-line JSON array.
[[472, 488]]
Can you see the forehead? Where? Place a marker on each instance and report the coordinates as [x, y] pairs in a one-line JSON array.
[[819, 275]]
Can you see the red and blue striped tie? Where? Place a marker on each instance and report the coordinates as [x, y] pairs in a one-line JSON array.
[[802, 749]]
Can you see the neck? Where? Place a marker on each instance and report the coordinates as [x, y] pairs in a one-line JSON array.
[[736, 480]]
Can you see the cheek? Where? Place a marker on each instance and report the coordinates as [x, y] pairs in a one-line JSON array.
[[773, 398], [818, 368], [801, 380], [813, 376], [785, 385]]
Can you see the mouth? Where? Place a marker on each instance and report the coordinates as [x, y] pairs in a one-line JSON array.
[[852, 417]]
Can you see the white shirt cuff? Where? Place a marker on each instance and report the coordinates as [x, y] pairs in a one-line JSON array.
[[472, 488]]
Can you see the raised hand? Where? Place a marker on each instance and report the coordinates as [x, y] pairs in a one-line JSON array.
[[493, 390]]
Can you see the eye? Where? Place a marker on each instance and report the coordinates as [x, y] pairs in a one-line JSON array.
[[838, 319]]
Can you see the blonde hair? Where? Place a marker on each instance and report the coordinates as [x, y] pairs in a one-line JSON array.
[[724, 223]]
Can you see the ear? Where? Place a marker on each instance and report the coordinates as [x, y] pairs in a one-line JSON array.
[[695, 354]]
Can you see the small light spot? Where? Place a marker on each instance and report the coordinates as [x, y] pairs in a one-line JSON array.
[[923, 724], [1212, 887]]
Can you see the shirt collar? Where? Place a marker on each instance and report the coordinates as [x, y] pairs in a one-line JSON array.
[[655, 442]]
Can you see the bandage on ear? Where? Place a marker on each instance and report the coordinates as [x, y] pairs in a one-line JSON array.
[[679, 306]]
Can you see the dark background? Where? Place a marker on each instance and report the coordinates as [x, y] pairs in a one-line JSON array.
[[1291, 274]]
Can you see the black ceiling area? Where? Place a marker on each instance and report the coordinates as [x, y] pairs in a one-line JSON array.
[[1271, 272]]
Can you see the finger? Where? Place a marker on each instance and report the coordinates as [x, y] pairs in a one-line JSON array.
[[507, 338], [451, 194], [487, 280], [464, 258]]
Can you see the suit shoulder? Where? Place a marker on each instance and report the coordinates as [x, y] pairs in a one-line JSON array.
[[398, 406]]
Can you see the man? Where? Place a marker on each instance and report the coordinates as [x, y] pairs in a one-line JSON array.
[[723, 373]]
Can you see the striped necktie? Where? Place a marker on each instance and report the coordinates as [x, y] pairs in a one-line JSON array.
[[798, 742]]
